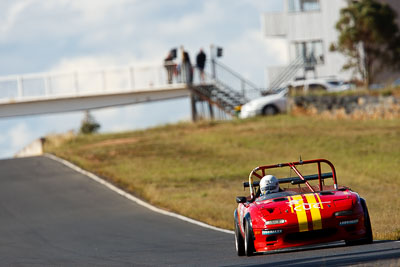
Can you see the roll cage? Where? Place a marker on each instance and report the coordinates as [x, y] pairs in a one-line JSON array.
[[260, 172]]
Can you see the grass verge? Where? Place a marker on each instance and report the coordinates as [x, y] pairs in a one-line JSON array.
[[198, 169]]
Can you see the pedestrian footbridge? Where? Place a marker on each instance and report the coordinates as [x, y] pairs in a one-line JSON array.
[[52, 92]]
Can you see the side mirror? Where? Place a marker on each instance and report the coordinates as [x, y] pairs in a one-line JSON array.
[[241, 199]]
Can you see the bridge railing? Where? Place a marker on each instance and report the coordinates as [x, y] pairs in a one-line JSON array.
[[80, 83], [115, 80], [236, 81]]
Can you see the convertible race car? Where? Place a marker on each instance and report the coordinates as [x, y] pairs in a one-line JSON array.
[[307, 208]]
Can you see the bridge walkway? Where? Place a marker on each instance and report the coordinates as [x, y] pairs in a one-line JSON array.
[[53, 92]]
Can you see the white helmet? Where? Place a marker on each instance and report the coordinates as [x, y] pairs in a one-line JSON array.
[[269, 184]]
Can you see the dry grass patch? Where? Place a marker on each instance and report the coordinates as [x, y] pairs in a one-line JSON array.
[[198, 169]]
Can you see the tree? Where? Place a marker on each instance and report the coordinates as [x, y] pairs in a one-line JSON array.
[[89, 125], [369, 37]]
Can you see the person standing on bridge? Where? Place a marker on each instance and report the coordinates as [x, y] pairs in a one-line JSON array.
[[201, 63], [186, 67], [170, 66]]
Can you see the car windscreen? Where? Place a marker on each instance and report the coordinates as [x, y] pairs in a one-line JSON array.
[[334, 83], [276, 195]]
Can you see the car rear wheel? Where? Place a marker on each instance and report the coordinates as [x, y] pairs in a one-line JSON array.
[[248, 241], [269, 110], [239, 242]]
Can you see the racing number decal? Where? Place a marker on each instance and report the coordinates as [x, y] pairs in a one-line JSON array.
[[301, 213], [313, 205], [315, 212]]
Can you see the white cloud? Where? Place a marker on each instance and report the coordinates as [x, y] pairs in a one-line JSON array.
[[262, 6], [12, 16], [3, 138], [86, 63], [96, 12], [211, 13], [19, 132]]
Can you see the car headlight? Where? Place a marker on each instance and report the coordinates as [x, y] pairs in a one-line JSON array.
[[250, 104], [273, 222]]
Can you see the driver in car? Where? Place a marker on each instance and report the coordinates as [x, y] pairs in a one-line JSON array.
[[269, 184]]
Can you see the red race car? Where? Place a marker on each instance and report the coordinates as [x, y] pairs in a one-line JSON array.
[[305, 208]]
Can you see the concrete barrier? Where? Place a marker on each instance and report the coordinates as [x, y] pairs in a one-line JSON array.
[[33, 149]]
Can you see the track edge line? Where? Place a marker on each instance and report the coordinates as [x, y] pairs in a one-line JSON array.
[[131, 197]]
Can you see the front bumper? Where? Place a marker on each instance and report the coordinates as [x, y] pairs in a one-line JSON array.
[[286, 236], [248, 112]]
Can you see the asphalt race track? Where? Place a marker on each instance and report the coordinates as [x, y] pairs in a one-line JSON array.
[[51, 215]]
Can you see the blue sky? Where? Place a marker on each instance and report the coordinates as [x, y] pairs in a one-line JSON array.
[[62, 35]]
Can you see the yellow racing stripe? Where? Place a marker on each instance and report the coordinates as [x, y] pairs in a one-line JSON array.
[[319, 200], [315, 212], [301, 213], [291, 204]]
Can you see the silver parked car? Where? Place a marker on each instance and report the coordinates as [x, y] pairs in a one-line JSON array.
[[321, 84], [266, 105], [277, 102]]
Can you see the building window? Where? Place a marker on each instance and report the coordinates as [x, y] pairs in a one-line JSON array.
[[303, 5], [312, 52]]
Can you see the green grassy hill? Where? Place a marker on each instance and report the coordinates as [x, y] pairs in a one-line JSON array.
[[198, 169]]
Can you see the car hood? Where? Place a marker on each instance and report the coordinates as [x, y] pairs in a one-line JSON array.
[[327, 202], [264, 100]]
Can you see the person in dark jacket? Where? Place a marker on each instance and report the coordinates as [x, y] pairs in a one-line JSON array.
[[201, 63]]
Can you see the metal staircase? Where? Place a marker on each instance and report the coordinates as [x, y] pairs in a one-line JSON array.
[[223, 98], [286, 74], [226, 89]]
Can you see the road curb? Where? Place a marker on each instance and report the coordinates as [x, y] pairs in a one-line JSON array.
[[133, 198]]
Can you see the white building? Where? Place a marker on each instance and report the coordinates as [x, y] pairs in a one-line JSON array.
[[308, 26]]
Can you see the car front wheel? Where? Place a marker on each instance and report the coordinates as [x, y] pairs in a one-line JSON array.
[[248, 241], [239, 242], [269, 110]]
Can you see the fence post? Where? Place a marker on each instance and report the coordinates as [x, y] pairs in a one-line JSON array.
[[103, 76], [160, 78], [20, 86], [213, 72], [243, 88], [193, 102], [131, 81], [76, 82], [47, 85], [211, 110]]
